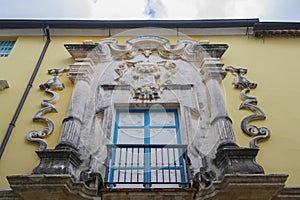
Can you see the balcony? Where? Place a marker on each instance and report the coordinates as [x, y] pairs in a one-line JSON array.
[[147, 166]]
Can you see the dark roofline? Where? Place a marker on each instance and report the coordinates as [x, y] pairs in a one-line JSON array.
[[276, 26], [214, 23]]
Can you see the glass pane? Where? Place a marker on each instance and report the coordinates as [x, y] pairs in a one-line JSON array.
[[130, 136], [162, 119], [163, 136], [131, 119]]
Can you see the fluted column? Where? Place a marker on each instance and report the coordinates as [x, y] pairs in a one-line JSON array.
[[229, 157], [80, 75], [220, 121], [65, 159]]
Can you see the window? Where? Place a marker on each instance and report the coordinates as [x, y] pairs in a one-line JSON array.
[[147, 150], [6, 47]]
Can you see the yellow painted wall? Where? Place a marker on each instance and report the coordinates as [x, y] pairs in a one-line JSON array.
[[19, 156], [272, 63]]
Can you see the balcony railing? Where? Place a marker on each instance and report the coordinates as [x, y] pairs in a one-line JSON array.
[[147, 166]]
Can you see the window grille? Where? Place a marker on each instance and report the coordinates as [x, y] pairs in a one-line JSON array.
[[6, 47], [147, 150]]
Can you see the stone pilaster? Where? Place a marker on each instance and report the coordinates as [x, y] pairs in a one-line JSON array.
[[220, 122], [229, 157], [80, 74], [65, 159]]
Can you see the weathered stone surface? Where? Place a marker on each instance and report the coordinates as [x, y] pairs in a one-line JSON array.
[[289, 193], [250, 187], [8, 194], [58, 161], [232, 187], [146, 194], [49, 187]]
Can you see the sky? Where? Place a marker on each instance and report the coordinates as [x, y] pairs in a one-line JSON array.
[[265, 10]]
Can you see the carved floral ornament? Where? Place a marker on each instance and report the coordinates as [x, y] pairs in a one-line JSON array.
[[249, 103]]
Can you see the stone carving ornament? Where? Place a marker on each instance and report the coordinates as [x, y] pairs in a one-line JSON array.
[[47, 107], [249, 103], [146, 78]]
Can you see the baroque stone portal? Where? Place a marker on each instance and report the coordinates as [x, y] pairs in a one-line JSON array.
[[147, 73]]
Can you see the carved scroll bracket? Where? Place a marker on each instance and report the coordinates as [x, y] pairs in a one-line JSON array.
[[47, 107], [249, 103]]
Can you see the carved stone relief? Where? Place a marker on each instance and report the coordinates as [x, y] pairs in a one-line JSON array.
[[148, 72], [52, 84], [146, 77], [249, 103]]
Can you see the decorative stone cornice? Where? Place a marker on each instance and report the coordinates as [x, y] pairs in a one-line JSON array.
[[213, 50], [49, 187], [243, 186], [211, 68], [277, 33], [211, 65]]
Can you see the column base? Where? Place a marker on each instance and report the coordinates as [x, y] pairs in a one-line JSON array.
[[231, 159], [56, 161]]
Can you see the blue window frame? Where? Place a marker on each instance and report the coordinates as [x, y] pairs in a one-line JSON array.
[[6, 47], [147, 150]]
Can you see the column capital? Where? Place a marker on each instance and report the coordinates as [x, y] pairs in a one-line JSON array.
[[82, 69], [211, 68]]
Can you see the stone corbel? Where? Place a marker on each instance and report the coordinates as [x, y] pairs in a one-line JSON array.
[[3, 84], [249, 103], [52, 84]]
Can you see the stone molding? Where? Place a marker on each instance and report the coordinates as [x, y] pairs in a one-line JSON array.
[[81, 70], [244, 186], [57, 161], [252, 187], [232, 159]]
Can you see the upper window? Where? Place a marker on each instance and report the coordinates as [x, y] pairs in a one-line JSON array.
[[6, 47], [147, 150], [153, 126]]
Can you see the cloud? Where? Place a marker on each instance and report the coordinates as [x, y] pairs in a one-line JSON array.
[[212, 9], [118, 9], [54, 9], [155, 9], [282, 10]]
